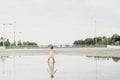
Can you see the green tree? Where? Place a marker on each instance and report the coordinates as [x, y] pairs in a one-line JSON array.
[[14, 43], [109, 41], [104, 40], [81, 42], [101, 40], [19, 43], [7, 42], [1, 41], [115, 39], [89, 41], [76, 42], [29, 43]]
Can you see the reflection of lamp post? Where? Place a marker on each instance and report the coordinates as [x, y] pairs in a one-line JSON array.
[[96, 69], [3, 58], [14, 67], [3, 67]]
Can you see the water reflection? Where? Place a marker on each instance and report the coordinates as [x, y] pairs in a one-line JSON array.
[[7, 67], [51, 69], [96, 69], [115, 59], [73, 68], [100, 70], [3, 58]]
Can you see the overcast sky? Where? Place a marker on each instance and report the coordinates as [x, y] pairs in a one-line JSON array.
[[59, 21]]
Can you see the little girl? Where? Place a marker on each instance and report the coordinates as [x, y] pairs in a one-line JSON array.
[[51, 54]]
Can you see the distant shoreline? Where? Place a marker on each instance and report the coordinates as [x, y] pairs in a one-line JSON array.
[[63, 51]]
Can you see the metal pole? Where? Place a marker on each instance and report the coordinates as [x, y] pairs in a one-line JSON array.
[[20, 39], [20, 35], [95, 35], [14, 33], [3, 35], [107, 42]]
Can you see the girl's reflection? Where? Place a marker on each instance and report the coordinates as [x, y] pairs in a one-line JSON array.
[[51, 69]]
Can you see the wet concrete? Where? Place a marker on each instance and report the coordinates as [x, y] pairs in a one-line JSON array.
[[66, 67], [63, 51]]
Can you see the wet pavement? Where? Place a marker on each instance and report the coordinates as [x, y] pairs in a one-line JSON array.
[[66, 67]]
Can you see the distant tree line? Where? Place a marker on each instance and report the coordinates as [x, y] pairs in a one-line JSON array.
[[102, 40], [6, 42]]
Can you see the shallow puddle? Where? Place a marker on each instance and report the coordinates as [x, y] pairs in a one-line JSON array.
[[65, 68]]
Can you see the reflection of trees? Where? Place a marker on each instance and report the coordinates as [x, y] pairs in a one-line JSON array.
[[100, 57], [3, 58], [115, 59]]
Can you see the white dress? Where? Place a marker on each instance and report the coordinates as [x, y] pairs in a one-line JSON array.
[[51, 69], [51, 54]]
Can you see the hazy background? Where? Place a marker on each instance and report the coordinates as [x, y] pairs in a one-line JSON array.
[[59, 21]]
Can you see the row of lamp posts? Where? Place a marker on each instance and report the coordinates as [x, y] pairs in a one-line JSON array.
[[3, 40]]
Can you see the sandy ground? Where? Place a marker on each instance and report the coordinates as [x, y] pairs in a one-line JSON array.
[[63, 51]]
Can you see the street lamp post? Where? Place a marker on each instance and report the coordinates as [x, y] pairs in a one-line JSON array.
[[95, 35], [20, 39], [14, 34], [4, 33]]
